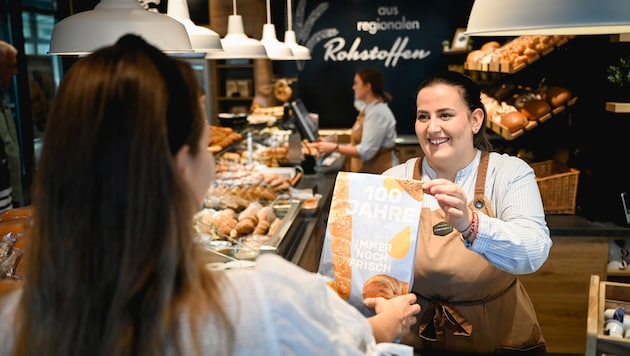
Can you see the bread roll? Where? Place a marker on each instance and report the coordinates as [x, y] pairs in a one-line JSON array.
[[474, 56], [557, 96], [514, 121], [534, 109], [382, 285], [490, 45]]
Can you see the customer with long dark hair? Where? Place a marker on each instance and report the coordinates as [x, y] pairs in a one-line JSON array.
[[111, 267]]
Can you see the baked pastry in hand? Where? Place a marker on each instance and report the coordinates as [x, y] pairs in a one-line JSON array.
[[382, 285]]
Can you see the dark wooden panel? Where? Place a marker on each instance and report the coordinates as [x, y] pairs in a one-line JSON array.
[[559, 290]]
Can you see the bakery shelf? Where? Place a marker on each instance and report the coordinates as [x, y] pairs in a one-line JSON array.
[[508, 67], [455, 51], [622, 37], [617, 107], [508, 135]]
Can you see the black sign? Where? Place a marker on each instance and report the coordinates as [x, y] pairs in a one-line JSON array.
[[402, 38]]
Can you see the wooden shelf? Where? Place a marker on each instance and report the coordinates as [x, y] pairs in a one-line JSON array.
[[622, 37], [508, 67], [240, 72], [618, 273], [617, 107], [236, 98], [455, 51], [509, 136]]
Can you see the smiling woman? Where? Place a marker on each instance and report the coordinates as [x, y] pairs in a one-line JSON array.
[[476, 225]]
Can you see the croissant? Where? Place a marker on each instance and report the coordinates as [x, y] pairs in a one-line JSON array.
[[385, 286], [262, 227], [246, 225]]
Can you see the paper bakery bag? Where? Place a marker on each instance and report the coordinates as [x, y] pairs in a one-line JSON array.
[[371, 235]]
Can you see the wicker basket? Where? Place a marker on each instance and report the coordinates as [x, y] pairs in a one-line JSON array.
[[558, 186]]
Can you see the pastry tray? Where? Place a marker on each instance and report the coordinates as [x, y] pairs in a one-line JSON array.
[[287, 210]]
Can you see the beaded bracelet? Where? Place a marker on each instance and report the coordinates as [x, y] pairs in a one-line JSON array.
[[471, 222], [473, 229]]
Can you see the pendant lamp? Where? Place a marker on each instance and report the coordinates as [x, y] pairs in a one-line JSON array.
[[202, 39], [236, 44], [276, 50], [299, 52], [87, 31], [548, 17]]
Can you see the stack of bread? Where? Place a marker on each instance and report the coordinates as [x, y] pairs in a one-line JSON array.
[[225, 224], [222, 137], [516, 106], [236, 189], [513, 54]]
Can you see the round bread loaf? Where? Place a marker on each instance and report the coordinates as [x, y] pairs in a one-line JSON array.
[[557, 96], [535, 108], [514, 120], [490, 45], [474, 56]]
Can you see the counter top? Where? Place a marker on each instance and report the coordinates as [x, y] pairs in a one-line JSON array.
[[575, 225], [407, 140]]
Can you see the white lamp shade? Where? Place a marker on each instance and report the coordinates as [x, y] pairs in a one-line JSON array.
[[299, 52], [202, 39], [88, 31], [236, 44], [276, 50], [548, 17]]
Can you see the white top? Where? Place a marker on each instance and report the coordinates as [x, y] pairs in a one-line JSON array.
[[276, 308], [517, 240]]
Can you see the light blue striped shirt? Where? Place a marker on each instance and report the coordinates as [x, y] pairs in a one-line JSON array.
[[517, 240]]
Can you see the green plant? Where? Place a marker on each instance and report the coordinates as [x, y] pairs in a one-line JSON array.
[[619, 75]]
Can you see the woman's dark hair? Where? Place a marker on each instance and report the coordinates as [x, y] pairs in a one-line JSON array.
[[471, 93], [376, 78], [111, 267]]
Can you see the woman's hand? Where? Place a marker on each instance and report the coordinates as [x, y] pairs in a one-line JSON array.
[[327, 146], [393, 316], [452, 200]]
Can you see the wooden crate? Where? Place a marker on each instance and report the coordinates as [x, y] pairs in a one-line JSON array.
[[604, 295]]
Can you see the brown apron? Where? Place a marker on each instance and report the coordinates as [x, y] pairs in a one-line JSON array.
[[468, 305], [379, 163]]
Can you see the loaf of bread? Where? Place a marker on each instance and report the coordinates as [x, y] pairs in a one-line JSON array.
[[490, 45], [557, 96], [514, 121], [340, 223], [382, 285], [535, 108]]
